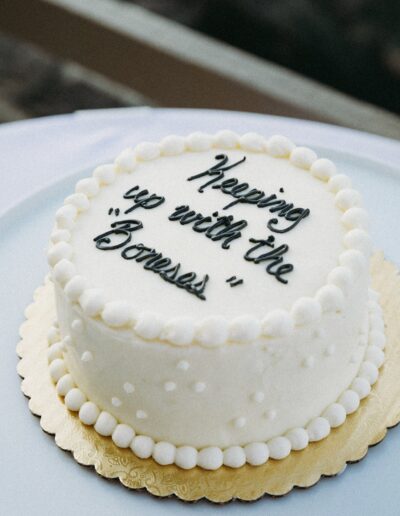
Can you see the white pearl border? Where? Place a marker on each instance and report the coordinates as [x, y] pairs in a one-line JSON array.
[[212, 331], [213, 457]]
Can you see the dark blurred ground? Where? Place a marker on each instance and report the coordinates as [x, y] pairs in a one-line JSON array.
[[34, 84], [352, 45]]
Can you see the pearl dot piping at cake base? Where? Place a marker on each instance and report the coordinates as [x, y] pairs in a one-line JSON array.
[[74, 399], [142, 446], [361, 386], [210, 332], [64, 385], [186, 457], [318, 429], [105, 424], [279, 447], [122, 436], [88, 413], [213, 457], [56, 351], [298, 438], [234, 457], [57, 369], [210, 458], [255, 454], [164, 453], [350, 401]]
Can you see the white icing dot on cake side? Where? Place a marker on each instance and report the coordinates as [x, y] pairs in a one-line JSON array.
[[239, 422], [199, 387], [116, 402], [270, 414], [258, 396], [87, 356], [183, 365], [169, 386], [128, 387]]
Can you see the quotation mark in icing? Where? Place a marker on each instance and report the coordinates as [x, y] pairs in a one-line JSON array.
[[233, 281], [111, 211]]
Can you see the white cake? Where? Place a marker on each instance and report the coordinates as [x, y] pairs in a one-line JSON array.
[[213, 300]]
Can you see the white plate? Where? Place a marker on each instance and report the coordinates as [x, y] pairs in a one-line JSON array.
[[37, 478]]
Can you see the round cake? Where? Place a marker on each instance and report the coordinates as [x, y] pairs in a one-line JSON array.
[[213, 301]]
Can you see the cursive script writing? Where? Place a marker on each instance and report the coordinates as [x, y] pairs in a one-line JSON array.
[[213, 226], [274, 257], [120, 235], [142, 199], [243, 193]]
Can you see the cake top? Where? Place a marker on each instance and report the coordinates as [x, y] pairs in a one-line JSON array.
[[210, 239]]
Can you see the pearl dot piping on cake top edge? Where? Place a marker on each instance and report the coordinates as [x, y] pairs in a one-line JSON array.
[[220, 332], [213, 458]]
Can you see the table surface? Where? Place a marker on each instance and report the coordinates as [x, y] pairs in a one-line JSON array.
[[39, 162]]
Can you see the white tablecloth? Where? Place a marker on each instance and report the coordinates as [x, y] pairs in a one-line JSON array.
[[36, 478], [36, 152]]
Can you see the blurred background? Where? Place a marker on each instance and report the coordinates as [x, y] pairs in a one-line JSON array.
[[59, 56]]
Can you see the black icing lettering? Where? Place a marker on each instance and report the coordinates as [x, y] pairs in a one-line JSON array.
[[151, 253], [118, 236], [295, 215], [229, 233], [244, 194], [142, 199], [227, 185], [217, 171], [152, 259], [160, 264], [126, 253], [234, 281], [220, 228], [274, 256], [170, 274], [190, 217], [197, 225], [183, 279]]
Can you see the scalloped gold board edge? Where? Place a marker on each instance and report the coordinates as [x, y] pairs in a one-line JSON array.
[[349, 443]]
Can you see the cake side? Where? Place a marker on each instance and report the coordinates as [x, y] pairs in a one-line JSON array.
[[211, 457]]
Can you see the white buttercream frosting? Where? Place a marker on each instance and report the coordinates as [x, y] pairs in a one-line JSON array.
[[182, 330], [274, 366], [213, 457]]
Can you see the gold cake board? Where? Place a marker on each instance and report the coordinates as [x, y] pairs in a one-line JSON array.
[[348, 443]]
